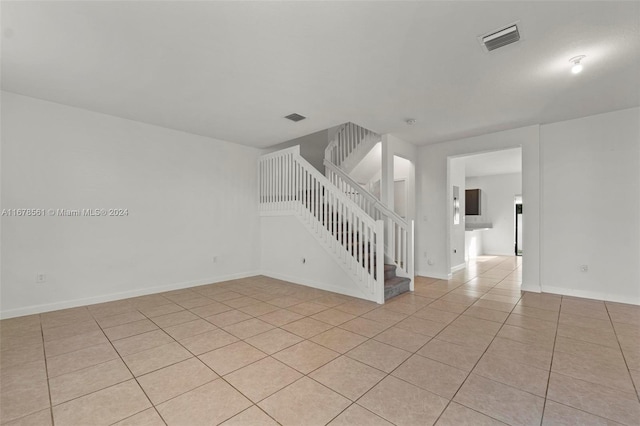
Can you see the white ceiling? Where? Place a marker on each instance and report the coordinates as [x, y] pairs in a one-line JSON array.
[[494, 163], [232, 70]]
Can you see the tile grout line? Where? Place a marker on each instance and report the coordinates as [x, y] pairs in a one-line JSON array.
[[553, 353], [615, 333]]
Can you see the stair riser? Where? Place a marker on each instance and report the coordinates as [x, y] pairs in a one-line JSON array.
[[396, 290]]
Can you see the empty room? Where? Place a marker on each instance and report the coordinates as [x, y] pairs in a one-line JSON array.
[[319, 213]]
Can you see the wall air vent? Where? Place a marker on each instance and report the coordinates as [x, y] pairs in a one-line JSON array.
[[500, 38], [295, 117]]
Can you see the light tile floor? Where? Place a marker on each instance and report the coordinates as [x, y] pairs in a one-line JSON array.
[[258, 351]]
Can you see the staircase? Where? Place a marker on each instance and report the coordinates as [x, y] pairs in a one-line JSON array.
[[369, 242]]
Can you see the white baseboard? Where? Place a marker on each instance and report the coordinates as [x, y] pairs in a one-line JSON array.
[[591, 295], [458, 267], [437, 275], [37, 309], [531, 288], [315, 284]]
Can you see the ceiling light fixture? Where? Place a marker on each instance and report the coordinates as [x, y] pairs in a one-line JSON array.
[[577, 66]]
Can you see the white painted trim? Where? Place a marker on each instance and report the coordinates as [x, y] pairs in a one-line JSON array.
[[434, 275], [531, 288], [37, 309], [597, 295], [315, 284], [459, 267]]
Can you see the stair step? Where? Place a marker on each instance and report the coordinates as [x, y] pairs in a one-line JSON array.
[[396, 286], [389, 271]]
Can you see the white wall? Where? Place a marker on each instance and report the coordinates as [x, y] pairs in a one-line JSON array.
[[591, 199], [432, 242], [284, 242], [312, 147], [189, 198], [497, 207], [457, 233]]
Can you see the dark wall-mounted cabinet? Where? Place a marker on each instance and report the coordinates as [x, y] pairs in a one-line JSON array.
[[472, 202]]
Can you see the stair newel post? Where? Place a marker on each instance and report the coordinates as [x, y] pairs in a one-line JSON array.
[[379, 290]]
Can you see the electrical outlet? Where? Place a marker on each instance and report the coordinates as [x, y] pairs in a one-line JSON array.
[[584, 268], [430, 262], [41, 278]]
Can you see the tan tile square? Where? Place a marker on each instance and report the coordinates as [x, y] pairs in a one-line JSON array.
[[274, 340], [258, 309], [402, 403], [77, 360], [262, 378], [357, 307], [248, 328], [528, 311], [231, 357], [457, 414], [189, 329], [69, 330], [252, 416], [40, 418], [509, 371], [124, 318], [501, 402], [436, 315], [306, 356], [153, 359], [402, 339], [307, 308], [280, 317], [593, 369], [379, 355], [305, 402], [593, 398], [401, 307], [421, 326], [148, 417], [333, 316], [176, 379], [157, 310], [81, 382], [206, 342], [286, 301], [339, 340], [557, 414], [13, 357], [524, 353], [129, 329], [443, 305], [307, 327], [142, 342], [385, 316], [74, 343], [103, 407], [239, 302], [599, 337], [495, 305], [364, 327], [211, 309], [164, 321], [431, 375], [195, 302], [348, 377], [206, 405], [462, 357], [228, 318], [477, 325], [356, 415], [23, 398], [464, 337]]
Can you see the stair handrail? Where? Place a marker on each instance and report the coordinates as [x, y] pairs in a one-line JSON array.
[[377, 204]]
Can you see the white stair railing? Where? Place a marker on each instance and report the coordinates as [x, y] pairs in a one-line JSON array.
[[350, 140], [289, 184], [399, 233]]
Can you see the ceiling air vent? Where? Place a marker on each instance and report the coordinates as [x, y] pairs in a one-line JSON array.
[[501, 38], [295, 117]]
